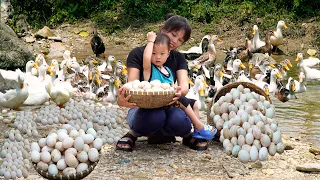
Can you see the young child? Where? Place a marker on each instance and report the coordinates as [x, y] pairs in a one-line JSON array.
[[154, 56]]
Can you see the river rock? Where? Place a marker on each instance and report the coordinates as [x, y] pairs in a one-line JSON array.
[[56, 50], [289, 146], [13, 53], [45, 32], [314, 150], [6, 10], [309, 167]]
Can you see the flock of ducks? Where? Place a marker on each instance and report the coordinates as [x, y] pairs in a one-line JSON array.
[[98, 77], [206, 77], [41, 82]]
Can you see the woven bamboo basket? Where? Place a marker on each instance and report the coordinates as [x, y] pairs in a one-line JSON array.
[[227, 88], [60, 176], [152, 99]]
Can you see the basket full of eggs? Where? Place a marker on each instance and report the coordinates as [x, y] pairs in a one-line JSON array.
[[66, 154], [245, 118], [149, 95]]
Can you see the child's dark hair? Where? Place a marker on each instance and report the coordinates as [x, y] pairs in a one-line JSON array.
[[176, 23], [162, 39]]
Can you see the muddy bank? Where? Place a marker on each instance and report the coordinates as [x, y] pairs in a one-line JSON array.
[[297, 37]]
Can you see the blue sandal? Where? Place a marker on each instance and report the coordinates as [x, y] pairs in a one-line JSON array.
[[205, 133]]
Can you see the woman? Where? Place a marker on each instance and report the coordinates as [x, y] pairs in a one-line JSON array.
[[163, 122]]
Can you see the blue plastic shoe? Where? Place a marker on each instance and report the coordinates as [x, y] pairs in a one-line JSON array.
[[205, 133]]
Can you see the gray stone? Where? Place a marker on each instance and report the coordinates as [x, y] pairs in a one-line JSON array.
[[55, 38], [289, 146], [6, 10], [309, 167], [13, 53], [45, 32], [314, 150], [8, 80]]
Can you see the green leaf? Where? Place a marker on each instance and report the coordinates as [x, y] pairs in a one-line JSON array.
[[83, 33]]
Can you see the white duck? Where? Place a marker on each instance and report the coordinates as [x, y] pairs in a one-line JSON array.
[[256, 43], [299, 85], [310, 72], [273, 81], [311, 61], [199, 92], [112, 91], [292, 89], [37, 91], [58, 93], [197, 49], [236, 65], [14, 98], [277, 39]]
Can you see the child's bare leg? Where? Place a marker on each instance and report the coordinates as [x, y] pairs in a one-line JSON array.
[[196, 109], [194, 117]]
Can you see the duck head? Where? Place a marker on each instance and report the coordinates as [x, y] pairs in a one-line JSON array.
[[299, 57]]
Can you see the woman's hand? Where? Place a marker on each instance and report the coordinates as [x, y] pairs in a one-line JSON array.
[[178, 94], [124, 101]]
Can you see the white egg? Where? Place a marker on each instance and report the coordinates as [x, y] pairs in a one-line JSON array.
[[35, 147], [61, 164], [280, 147], [249, 138], [235, 150], [67, 143], [88, 138], [43, 166], [254, 153], [53, 169], [272, 149], [51, 140], [244, 156], [93, 154], [35, 156], [82, 167], [276, 137], [45, 156], [82, 156], [71, 160], [72, 151], [62, 135], [263, 154], [97, 143], [42, 142], [265, 140], [257, 143], [55, 155], [92, 132]]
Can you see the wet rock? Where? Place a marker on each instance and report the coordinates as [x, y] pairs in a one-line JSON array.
[[314, 150], [45, 32], [22, 25], [30, 39], [309, 167], [13, 53], [256, 165], [55, 38], [289, 146]]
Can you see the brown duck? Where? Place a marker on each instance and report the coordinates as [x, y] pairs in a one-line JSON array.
[[266, 48], [209, 58], [246, 53]]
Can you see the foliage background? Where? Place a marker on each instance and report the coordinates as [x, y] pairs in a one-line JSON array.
[[122, 13]]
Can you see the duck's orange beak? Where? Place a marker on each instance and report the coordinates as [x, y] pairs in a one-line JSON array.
[[298, 58], [285, 26]]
